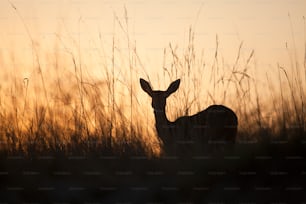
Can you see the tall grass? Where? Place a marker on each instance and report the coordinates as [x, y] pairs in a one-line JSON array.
[[63, 109]]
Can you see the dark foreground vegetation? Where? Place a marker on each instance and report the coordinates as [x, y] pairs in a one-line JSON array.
[[253, 172]]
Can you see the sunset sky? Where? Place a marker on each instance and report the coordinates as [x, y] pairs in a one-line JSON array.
[[263, 25], [57, 57]]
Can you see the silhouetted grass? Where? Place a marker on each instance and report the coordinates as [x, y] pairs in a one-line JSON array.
[[62, 108], [62, 121]]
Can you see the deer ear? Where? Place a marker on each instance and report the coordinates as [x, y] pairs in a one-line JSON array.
[[173, 87], [146, 86]]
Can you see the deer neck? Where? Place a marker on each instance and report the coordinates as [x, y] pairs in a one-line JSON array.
[[163, 125], [161, 118]]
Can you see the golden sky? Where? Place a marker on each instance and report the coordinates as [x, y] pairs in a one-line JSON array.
[[274, 29], [263, 25]]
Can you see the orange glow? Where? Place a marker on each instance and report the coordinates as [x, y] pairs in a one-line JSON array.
[[83, 59]]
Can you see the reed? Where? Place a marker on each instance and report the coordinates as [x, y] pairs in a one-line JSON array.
[[63, 109]]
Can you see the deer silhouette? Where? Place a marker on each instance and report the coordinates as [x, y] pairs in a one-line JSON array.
[[216, 124]]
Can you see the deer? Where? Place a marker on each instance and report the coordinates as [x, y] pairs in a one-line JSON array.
[[217, 124]]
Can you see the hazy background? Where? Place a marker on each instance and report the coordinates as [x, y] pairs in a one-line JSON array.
[[263, 25], [70, 69]]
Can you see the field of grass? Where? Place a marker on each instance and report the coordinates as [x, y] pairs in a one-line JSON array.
[[67, 135], [63, 107]]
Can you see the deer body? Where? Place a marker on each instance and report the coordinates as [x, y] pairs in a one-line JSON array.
[[216, 124]]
